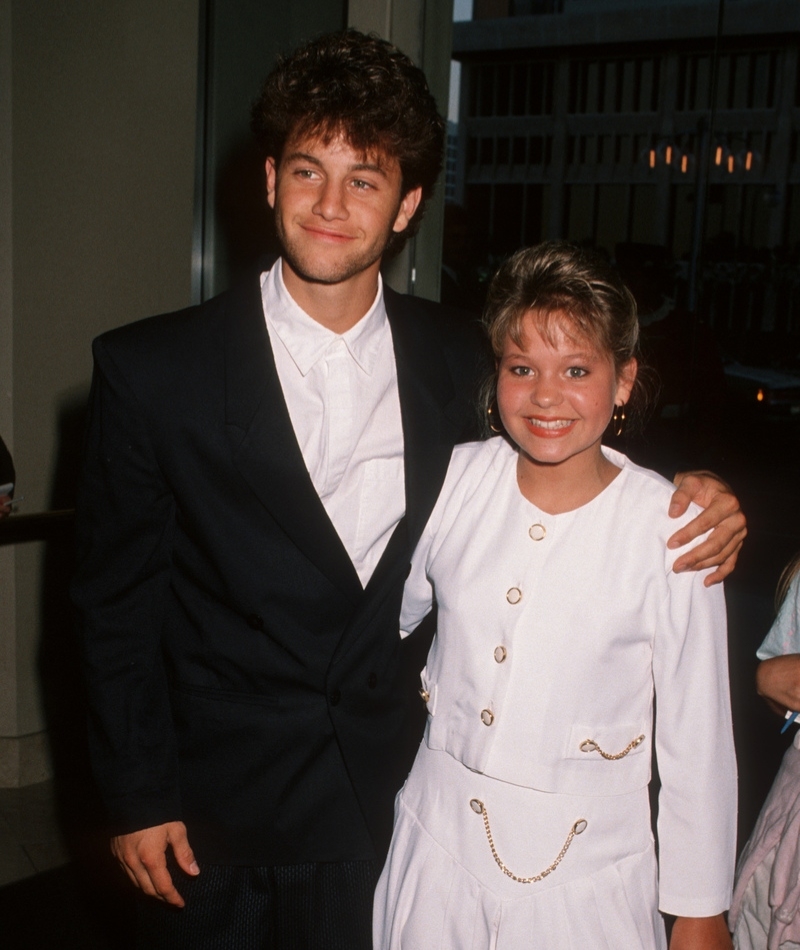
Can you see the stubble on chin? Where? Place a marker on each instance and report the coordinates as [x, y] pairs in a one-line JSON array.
[[319, 271]]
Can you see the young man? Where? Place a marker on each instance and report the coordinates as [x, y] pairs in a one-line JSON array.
[[258, 471]]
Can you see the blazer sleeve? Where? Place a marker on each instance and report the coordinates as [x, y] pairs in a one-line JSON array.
[[694, 749], [124, 526]]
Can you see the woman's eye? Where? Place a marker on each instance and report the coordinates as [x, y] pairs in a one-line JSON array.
[[520, 370]]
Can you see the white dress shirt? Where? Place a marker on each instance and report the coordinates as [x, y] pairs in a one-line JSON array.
[[341, 392]]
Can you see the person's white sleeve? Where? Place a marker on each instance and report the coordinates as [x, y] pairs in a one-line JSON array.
[[418, 592], [784, 634], [694, 748]]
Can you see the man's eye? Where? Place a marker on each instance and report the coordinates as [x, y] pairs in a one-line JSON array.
[[576, 372], [361, 185], [520, 370]]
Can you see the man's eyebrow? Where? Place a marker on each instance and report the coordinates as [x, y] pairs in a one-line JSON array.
[[358, 167], [302, 157]]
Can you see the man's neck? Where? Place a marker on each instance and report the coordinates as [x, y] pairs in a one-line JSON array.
[[338, 306]]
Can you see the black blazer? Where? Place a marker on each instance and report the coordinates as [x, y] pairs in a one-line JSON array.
[[239, 677]]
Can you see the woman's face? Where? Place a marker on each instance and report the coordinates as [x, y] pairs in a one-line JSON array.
[[556, 398]]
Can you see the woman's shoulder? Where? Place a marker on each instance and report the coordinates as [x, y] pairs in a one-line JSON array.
[[475, 467], [646, 488], [475, 464], [646, 499]]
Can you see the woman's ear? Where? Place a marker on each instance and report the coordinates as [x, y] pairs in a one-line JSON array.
[[626, 378]]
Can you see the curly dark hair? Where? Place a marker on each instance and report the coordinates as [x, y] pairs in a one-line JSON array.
[[364, 88]]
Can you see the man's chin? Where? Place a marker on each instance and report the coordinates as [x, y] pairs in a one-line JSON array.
[[316, 272]]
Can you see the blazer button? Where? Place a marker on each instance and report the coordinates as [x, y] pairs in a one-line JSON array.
[[487, 717], [513, 595], [372, 680], [335, 697], [537, 532], [255, 622], [500, 654]]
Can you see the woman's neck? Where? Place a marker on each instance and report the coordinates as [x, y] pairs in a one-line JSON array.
[[564, 486]]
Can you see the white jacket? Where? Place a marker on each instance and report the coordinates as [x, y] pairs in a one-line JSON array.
[[554, 632]]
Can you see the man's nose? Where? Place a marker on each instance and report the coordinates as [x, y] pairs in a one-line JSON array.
[[331, 203]]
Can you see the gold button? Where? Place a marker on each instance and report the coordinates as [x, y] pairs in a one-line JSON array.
[[425, 695], [513, 595], [588, 745], [487, 717], [580, 826], [476, 805], [537, 532], [500, 654]]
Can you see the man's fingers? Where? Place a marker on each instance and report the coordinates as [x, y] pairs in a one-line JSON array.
[[142, 855], [724, 560], [183, 853], [711, 553], [162, 885], [705, 521], [732, 529]]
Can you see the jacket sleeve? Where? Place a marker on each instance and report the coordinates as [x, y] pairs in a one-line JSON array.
[[124, 526], [694, 749], [418, 590]]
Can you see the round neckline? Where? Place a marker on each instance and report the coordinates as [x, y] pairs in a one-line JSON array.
[[619, 460]]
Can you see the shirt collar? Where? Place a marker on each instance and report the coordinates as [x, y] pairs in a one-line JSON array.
[[307, 341]]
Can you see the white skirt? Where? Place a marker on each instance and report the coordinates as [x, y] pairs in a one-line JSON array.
[[442, 888]]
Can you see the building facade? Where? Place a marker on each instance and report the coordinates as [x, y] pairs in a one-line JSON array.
[[589, 120]]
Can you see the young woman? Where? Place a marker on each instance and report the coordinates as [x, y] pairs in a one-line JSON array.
[[525, 821]]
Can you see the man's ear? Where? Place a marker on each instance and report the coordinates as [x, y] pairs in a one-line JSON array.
[[408, 206], [272, 178]]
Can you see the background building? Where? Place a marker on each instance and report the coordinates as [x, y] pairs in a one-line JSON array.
[[602, 121]]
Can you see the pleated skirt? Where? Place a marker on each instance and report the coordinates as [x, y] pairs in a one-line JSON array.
[[442, 888]]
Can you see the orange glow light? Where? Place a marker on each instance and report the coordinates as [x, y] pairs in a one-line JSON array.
[[730, 163], [760, 396], [685, 164], [668, 155], [718, 156], [652, 158], [748, 162]]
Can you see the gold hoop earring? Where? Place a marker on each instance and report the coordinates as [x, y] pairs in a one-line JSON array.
[[492, 416], [618, 420]]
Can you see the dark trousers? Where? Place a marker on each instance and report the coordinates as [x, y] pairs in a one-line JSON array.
[[320, 906]]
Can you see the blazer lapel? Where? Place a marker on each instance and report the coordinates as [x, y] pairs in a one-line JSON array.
[[266, 452], [433, 416]]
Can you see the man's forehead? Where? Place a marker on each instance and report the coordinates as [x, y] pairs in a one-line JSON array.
[[336, 142]]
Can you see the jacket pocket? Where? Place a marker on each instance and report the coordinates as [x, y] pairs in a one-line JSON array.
[[605, 742]]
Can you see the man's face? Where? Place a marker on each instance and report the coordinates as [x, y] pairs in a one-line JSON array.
[[336, 208]]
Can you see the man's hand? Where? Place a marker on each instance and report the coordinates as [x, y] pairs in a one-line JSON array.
[[142, 855], [700, 933], [722, 513], [5, 506]]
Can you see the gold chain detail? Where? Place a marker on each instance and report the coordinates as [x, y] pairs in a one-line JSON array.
[[577, 828], [589, 745]]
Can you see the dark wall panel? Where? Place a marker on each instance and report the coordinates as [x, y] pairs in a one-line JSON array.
[[239, 42]]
